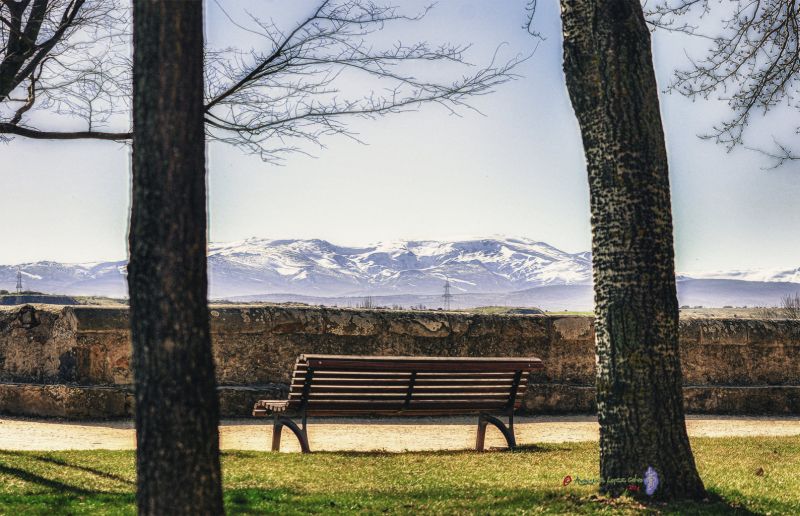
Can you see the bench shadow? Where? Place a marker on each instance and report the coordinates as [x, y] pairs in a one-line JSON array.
[[525, 448]]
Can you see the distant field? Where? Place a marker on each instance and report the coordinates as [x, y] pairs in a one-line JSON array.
[[55, 299], [685, 313], [501, 310], [734, 313], [100, 301], [512, 310]]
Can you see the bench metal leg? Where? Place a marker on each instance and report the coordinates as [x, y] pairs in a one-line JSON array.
[[507, 431], [301, 434], [277, 428]]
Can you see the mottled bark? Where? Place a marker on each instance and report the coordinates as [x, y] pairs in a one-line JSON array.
[[610, 78], [177, 410]]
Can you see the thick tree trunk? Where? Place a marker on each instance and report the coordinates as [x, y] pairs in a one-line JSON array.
[[610, 78], [177, 410]]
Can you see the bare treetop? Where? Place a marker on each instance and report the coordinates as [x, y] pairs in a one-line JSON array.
[[268, 101], [303, 84], [63, 56], [753, 62]]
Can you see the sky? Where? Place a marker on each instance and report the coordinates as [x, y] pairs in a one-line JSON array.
[[516, 168]]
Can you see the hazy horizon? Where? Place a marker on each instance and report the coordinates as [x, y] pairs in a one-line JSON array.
[[489, 272]]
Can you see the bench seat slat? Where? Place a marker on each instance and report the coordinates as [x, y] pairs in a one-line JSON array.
[[415, 392], [405, 376], [402, 364], [306, 357], [499, 397], [403, 389], [390, 410], [417, 384], [421, 379], [415, 412], [398, 405]]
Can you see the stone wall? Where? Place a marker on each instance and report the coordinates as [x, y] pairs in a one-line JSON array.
[[75, 361]]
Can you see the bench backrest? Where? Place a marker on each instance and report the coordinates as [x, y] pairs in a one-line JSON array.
[[351, 384]]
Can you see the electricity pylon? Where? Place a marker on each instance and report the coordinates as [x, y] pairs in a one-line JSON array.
[[447, 297]]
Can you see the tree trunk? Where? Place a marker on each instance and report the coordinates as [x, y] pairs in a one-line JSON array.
[[177, 411], [610, 78]]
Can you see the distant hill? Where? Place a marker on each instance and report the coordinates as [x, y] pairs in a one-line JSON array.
[[728, 292], [483, 272], [692, 292], [92, 279], [320, 268]]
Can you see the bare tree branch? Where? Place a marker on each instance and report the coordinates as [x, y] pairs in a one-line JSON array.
[[753, 64], [303, 86], [530, 14], [71, 57], [300, 87], [7, 128]]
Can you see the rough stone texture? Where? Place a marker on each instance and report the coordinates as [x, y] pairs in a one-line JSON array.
[[559, 398], [238, 401], [91, 402], [68, 401], [75, 361], [731, 399]]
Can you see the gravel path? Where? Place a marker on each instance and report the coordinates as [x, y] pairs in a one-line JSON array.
[[390, 434]]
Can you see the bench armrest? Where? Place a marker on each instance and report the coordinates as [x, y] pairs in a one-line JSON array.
[[264, 408]]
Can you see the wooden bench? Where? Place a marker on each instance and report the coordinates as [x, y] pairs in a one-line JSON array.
[[350, 385]]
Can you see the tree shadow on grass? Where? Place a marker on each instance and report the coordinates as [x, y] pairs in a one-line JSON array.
[[434, 500], [34, 478], [712, 505], [86, 469], [39, 493], [52, 504], [62, 487]]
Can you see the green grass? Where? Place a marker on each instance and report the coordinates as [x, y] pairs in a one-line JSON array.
[[522, 482]]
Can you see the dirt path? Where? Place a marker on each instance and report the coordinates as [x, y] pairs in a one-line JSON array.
[[396, 434]]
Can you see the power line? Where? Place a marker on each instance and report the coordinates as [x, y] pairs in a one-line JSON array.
[[19, 281]]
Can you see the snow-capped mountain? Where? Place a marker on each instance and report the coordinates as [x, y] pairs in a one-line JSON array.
[[320, 268], [512, 271], [317, 267], [99, 278]]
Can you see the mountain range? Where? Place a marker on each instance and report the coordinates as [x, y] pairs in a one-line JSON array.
[[491, 271]]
